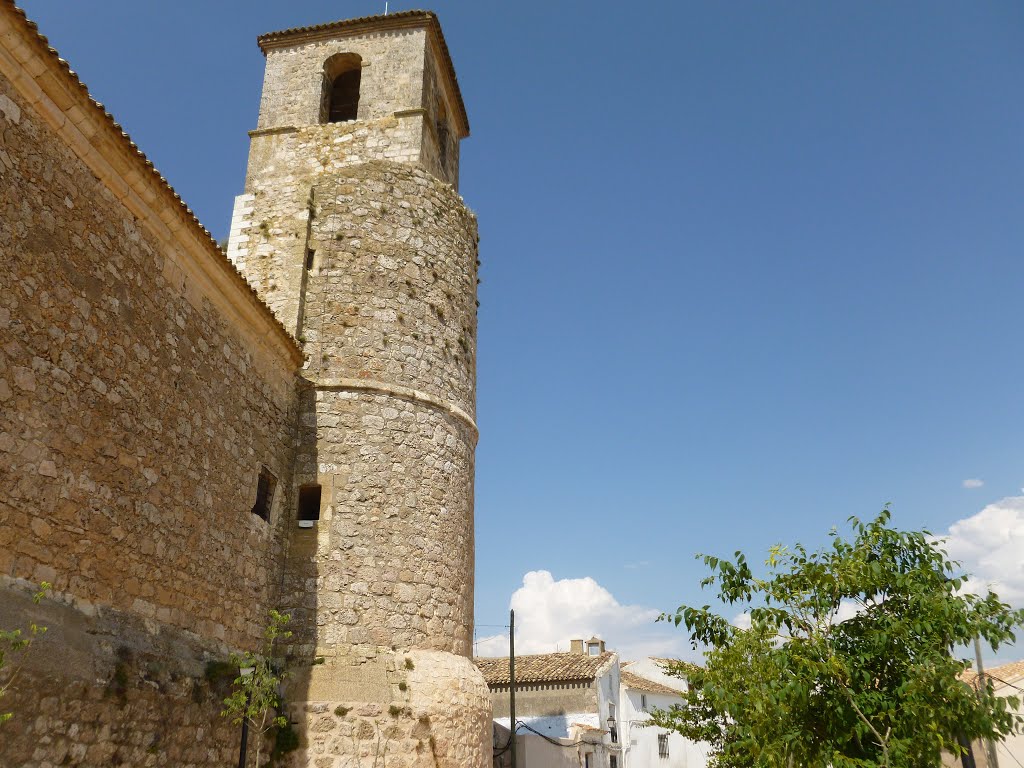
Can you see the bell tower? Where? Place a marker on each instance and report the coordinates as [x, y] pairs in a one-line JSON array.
[[352, 230]]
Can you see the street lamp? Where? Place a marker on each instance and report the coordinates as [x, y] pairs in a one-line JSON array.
[[245, 673]]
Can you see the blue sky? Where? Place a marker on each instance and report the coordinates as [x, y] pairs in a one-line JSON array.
[[748, 268]]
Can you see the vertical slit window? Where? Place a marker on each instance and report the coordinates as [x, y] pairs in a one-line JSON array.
[[265, 486], [309, 503]]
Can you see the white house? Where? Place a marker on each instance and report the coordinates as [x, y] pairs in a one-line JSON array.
[[645, 685], [567, 708], [1007, 680]]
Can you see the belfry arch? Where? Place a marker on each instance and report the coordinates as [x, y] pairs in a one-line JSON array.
[[342, 76]]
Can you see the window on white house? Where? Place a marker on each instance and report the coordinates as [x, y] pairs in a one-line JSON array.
[[613, 761], [593, 649], [662, 745], [643, 701]]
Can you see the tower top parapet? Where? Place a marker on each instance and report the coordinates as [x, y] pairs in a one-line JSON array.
[[374, 25]]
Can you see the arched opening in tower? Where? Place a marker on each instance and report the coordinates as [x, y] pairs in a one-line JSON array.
[[344, 99]]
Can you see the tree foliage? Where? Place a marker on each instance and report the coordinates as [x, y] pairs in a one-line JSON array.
[[808, 684], [15, 643], [256, 696]]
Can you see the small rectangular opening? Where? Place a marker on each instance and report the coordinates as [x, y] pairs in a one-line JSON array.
[[309, 502], [310, 255], [264, 494]]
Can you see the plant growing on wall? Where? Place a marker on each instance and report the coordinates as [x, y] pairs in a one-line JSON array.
[[848, 660], [255, 702], [16, 643]]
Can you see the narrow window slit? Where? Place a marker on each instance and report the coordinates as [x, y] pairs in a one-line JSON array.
[[309, 504], [265, 486]]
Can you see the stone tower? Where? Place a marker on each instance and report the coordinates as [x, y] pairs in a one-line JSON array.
[[352, 230]]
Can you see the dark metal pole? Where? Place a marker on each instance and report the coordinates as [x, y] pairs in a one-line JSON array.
[[512, 683], [967, 758], [245, 731], [990, 747]]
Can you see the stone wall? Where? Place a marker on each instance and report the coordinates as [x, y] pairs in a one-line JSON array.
[[128, 693], [540, 699], [389, 321], [270, 227], [134, 421], [142, 389], [354, 234], [435, 714], [391, 79]]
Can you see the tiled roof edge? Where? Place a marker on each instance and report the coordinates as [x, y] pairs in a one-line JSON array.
[[396, 20], [641, 683], [148, 170]]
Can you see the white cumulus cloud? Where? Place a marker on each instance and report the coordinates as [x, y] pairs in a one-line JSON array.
[[550, 612], [972, 482], [990, 545]]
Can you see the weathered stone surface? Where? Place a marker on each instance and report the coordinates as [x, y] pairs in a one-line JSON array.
[[111, 690], [144, 388], [437, 714], [355, 236], [138, 422]]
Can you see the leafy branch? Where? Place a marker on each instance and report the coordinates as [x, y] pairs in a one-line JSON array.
[[17, 643], [256, 698], [848, 660]]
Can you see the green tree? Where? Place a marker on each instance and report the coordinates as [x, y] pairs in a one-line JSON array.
[[801, 687], [256, 698], [16, 643]]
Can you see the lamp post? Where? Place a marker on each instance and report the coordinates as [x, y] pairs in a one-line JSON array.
[[245, 673]]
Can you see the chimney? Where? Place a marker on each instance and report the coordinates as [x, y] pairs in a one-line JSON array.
[[576, 646]]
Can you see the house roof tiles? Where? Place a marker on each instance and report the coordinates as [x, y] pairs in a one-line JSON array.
[[1002, 676], [638, 683], [545, 667]]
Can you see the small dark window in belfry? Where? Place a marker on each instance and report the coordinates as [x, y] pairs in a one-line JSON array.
[[310, 254], [344, 96], [309, 502], [264, 494]]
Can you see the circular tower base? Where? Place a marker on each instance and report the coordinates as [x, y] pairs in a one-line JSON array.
[[412, 709]]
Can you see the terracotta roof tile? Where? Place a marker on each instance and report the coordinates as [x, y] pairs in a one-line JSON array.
[[1002, 676], [394, 20], [638, 683], [545, 667]]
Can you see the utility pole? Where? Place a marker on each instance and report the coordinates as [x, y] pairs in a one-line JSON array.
[[990, 746], [512, 683]]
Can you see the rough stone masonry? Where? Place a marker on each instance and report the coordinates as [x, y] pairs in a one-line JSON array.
[[187, 440]]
